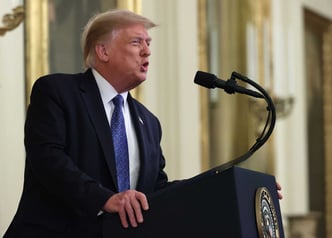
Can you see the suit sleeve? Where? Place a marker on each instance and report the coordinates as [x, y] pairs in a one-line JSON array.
[[47, 160]]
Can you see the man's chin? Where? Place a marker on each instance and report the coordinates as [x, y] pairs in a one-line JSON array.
[[138, 81], [142, 77]]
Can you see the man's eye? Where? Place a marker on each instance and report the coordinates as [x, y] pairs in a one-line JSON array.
[[136, 42]]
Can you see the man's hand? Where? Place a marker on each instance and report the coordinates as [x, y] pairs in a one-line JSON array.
[[279, 189], [128, 204]]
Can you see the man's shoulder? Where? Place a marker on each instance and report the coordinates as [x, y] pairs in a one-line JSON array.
[[59, 83], [63, 77], [62, 80]]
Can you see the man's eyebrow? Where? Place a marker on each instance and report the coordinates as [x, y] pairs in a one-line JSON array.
[[141, 36]]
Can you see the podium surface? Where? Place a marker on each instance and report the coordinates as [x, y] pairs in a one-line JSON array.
[[234, 203]]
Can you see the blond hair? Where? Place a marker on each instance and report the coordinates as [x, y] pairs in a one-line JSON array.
[[102, 25]]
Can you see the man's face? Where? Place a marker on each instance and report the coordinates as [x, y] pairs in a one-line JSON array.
[[129, 56]]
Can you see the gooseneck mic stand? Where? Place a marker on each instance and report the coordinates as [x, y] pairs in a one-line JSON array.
[[230, 86]]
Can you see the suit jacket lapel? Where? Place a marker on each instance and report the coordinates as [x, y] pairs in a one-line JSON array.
[[91, 97], [144, 182]]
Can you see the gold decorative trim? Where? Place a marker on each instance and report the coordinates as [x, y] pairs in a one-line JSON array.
[[204, 103], [327, 101], [12, 20], [36, 44], [132, 5]]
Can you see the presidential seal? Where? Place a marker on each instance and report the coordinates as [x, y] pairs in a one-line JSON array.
[[266, 217]]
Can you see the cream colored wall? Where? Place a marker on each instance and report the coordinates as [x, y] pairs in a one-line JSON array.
[[12, 113], [290, 134], [170, 91], [289, 73]]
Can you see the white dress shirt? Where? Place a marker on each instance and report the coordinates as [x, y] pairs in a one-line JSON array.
[[107, 93]]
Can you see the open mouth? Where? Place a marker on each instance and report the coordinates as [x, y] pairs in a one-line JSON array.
[[145, 67]]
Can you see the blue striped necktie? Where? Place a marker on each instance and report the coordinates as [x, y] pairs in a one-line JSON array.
[[120, 144]]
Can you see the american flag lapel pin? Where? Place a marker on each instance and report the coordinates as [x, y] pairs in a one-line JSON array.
[[140, 120]]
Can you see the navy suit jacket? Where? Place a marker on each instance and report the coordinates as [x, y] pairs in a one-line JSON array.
[[70, 169]]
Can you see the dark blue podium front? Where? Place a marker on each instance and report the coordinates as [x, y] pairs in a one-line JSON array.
[[211, 204]]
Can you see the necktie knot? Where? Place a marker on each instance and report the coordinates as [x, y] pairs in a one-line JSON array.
[[117, 100]]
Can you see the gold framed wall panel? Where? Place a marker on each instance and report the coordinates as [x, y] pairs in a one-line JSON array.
[[38, 50]]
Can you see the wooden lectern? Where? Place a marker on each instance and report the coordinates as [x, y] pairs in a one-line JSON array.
[[233, 203]]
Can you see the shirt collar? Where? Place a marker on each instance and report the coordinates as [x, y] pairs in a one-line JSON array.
[[107, 91]]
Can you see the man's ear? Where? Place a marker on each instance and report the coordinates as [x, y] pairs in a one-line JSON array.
[[101, 52]]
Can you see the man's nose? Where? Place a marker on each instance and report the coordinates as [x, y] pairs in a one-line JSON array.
[[145, 49]]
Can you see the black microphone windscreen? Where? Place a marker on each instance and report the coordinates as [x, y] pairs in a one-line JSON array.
[[205, 79]]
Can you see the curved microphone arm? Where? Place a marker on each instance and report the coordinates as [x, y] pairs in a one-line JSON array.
[[260, 141]]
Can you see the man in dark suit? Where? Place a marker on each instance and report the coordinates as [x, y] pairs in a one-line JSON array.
[[70, 175]]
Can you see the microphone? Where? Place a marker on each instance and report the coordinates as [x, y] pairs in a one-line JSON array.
[[230, 86]]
